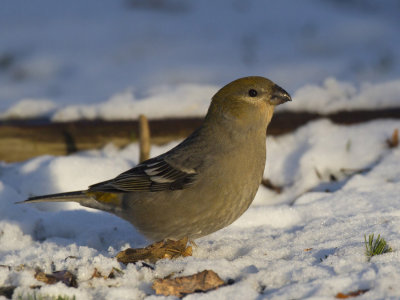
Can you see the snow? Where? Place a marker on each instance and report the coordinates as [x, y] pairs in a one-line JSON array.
[[124, 106], [115, 60], [334, 96], [192, 100], [29, 109], [307, 242], [119, 59]]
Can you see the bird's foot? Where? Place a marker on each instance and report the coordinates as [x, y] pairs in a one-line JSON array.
[[164, 249]]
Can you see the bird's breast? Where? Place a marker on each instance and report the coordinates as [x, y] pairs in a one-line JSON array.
[[234, 180]]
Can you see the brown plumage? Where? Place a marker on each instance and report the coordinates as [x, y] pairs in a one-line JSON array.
[[207, 181]]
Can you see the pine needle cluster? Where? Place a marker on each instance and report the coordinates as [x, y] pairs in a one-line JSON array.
[[375, 247]]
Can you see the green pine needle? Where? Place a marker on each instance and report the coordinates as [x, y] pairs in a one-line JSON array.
[[375, 247]]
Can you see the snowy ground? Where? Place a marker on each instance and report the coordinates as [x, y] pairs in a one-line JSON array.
[[84, 60], [343, 181], [116, 59]]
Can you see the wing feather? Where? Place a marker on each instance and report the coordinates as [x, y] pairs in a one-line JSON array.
[[153, 175]]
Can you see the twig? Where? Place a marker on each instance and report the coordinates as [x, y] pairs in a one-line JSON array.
[[144, 138], [393, 142]]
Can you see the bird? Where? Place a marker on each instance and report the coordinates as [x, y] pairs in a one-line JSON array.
[[204, 183]]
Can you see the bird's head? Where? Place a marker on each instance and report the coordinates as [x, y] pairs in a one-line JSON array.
[[247, 101]]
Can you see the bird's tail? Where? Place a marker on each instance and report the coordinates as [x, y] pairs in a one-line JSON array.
[[78, 196], [104, 201]]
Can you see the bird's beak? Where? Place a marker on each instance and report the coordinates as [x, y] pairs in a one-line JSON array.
[[279, 96]]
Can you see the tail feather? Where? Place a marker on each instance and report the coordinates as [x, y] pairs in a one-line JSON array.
[[103, 201], [77, 196]]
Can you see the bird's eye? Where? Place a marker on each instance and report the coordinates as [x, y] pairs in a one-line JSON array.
[[252, 93]]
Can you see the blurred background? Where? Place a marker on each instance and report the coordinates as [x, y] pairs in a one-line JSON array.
[[61, 60]]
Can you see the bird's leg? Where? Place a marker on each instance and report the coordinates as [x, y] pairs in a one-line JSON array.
[[193, 243]]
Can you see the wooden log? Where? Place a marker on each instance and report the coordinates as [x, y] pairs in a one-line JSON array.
[[24, 139], [21, 140]]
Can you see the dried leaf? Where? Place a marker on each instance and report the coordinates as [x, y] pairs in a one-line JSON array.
[[46, 278], [65, 277], [19, 268], [394, 140], [181, 286], [111, 275], [307, 249], [7, 291], [97, 274], [154, 252], [350, 294]]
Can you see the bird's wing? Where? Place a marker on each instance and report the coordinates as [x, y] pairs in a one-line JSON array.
[[152, 175]]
